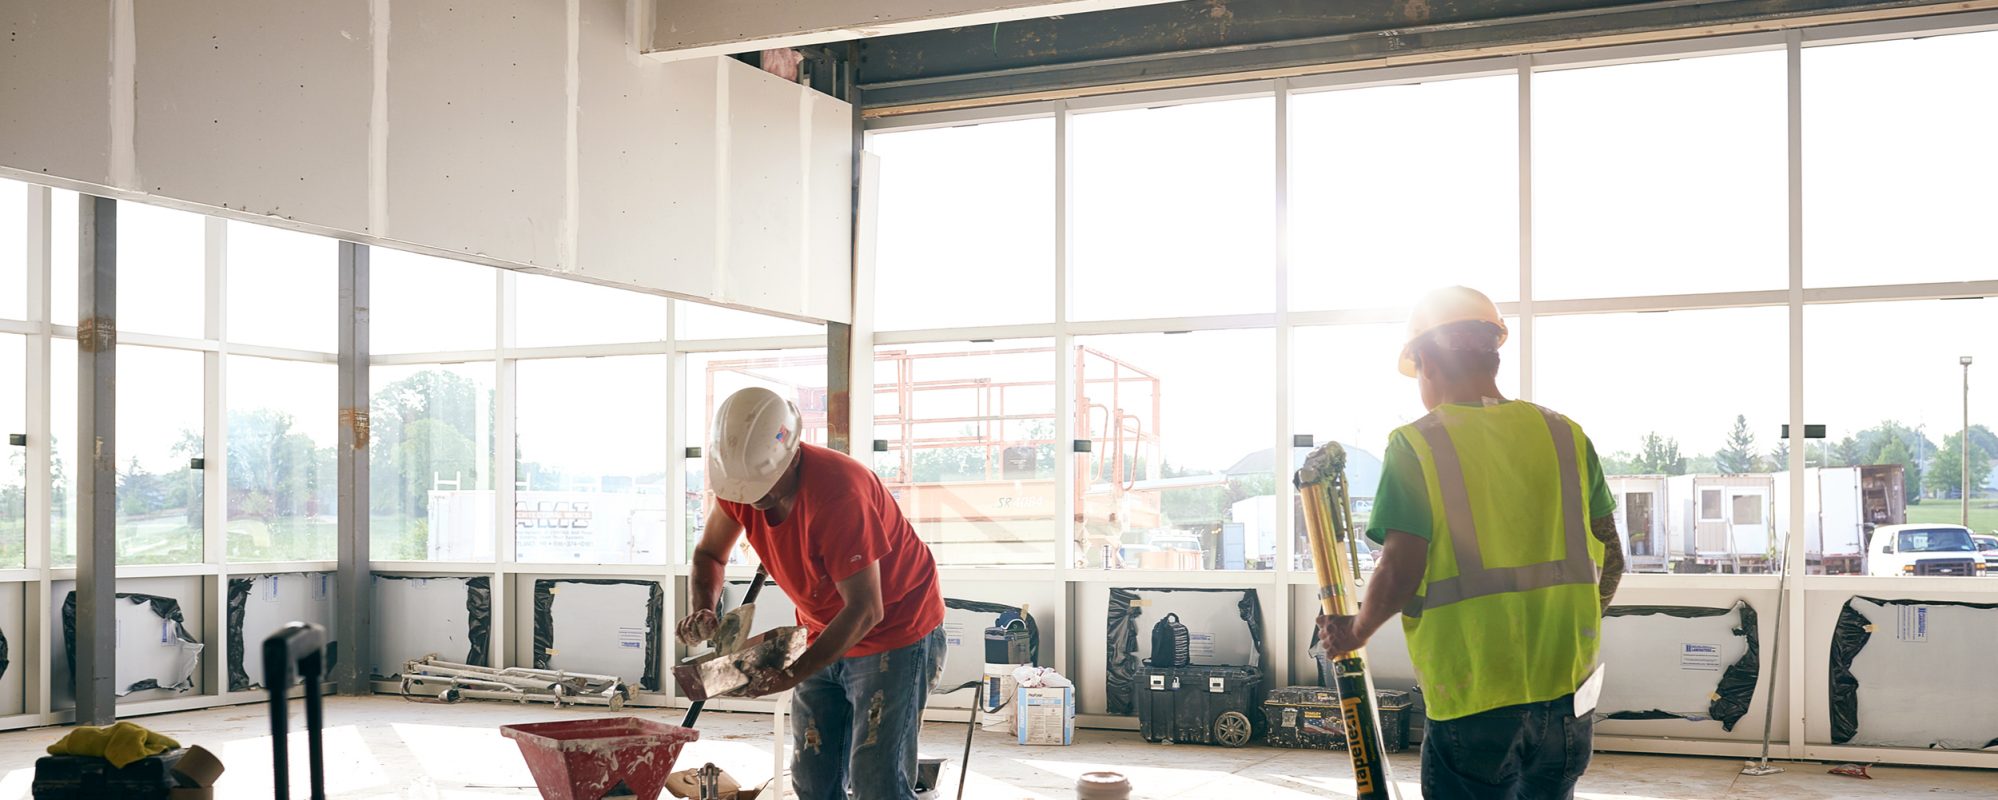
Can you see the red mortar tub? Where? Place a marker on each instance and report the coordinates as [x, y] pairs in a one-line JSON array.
[[587, 759]]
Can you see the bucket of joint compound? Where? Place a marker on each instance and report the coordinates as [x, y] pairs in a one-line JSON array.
[[1102, 786]]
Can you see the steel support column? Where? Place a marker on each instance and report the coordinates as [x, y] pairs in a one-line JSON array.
[[96, 421], [355, 612]]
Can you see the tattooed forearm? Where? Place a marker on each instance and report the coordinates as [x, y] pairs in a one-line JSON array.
[[1605, 530]]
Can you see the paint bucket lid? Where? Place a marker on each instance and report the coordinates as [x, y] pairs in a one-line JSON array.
[[1102, 786]]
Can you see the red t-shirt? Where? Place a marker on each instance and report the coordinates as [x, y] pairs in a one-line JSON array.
[[842, 520]]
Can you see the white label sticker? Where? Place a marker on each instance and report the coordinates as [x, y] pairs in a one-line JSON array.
[[321, 587], [631, 638], [1701, 657], [271, 589], [1201, 646], [167, 639], [1913, 624], [954, 634]]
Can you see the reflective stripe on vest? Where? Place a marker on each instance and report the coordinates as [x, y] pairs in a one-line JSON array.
[[1473, 579]]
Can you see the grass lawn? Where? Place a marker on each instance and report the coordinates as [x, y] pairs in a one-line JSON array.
[[1983, 515]]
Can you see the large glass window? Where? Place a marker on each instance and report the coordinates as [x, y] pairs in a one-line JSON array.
[[1681, 405], [419, 304], [283, 468], [14, 471], [1660, 178], [591, 485], [160, 414], [284, 288], [1179, 473], [430, 463], [710, 378], [13, 249], [1346, 387], [1192, 238], [966, 240], [703, 321], [162, 271], [1897, 179], [556, 311], [63, 463], [62, 256], [972, 434], [1887, 382], [1378, 171]]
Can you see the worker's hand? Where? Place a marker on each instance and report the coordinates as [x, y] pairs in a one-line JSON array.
[[1339, 635], [764, 682], [698, 627]]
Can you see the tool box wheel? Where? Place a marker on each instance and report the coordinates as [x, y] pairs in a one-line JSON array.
[[1232, 729]]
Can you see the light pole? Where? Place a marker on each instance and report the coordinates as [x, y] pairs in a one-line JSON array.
[[1963, 441]]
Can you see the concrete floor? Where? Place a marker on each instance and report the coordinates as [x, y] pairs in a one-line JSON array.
[[386, 747]]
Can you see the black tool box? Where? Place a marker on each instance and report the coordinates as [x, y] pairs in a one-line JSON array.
[[1308, 718], [1200, 704], [93, 778]]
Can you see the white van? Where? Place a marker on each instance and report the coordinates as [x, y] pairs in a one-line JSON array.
[[1923, 550]]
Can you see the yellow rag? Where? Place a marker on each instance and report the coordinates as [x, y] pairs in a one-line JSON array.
[[119, 744]]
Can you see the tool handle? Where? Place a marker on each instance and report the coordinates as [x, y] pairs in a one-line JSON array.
[[755, 585]]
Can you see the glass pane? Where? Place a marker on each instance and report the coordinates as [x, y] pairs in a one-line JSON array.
[[702, 321], [1701, 419], [13, 249], [1346, 387], [420, 304], [162, 271], [284, 288], [1363, 159], [160, 412], [1887, 382], [62, 256], [430, 456], [63, 463], [972, 435], [710, 378], [1878, 209], [283, 466], [1192, 239], [965, 212], [592, 474], [14, 472], [1661, 177], [1179, 473], [555, 311]]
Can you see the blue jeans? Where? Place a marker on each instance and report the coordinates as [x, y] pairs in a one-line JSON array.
[[855, 723], [1528, 751]]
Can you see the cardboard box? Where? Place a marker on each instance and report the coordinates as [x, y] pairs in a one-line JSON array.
[[1045, 716]]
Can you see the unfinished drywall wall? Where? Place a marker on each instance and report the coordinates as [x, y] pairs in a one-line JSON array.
[[1680, 662], [153, 644], [519, 134], [450, 617], [260, 605], [1225, 626], [1912, 673], [13, 629], [600, 627], [964, 628]]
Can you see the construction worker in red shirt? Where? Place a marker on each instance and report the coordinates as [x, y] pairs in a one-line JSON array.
[[834, 540]]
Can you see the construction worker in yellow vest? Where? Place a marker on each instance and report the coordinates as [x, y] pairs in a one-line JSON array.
[[1499, 551]]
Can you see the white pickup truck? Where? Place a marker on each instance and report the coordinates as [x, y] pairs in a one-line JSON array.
[[1945, 550]]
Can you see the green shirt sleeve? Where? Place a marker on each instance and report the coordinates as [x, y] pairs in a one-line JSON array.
[[1402, 501], [1601, 502]]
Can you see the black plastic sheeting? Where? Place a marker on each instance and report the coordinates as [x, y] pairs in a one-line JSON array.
[[1120, 679], [1848, 638], [1736, 689], [239, 599], [655, 623], [478, 613], [165, 607], [1033, 630]]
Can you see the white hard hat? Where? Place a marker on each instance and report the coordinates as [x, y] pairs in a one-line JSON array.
[[755, 437], [1447, 306]]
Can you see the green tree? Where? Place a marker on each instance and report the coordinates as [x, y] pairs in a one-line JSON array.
[[1847, 453], [1947, 477], [1738, 455], [1779, 457], [1896, 453], [1874, 443], [1660, 456]]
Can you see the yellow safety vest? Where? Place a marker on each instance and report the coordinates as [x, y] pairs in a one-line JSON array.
[[1507, 611]]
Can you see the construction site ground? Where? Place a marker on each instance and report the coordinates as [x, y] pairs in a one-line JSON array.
[[386, 747]]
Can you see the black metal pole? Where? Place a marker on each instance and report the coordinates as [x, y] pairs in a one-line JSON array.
[[312, 668]]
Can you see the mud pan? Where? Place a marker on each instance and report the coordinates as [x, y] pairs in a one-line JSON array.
[[589, 759]]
